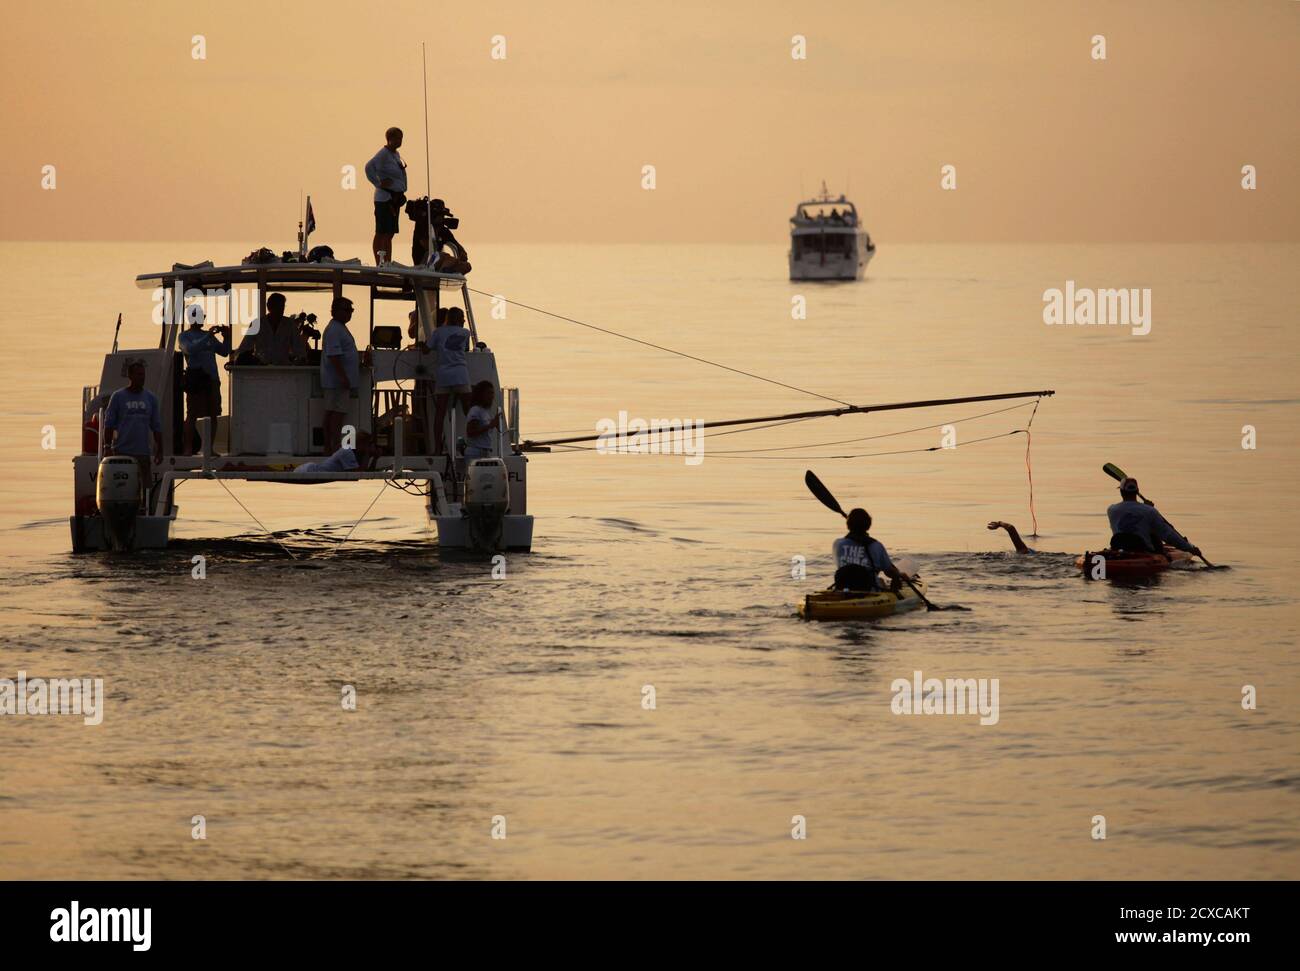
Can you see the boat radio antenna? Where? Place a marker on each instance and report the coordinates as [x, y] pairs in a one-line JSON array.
[[428, 162]]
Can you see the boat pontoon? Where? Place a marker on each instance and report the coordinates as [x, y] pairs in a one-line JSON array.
[[275, 415]]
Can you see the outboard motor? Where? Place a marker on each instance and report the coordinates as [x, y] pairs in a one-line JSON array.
[[487, 500], [117, 495]]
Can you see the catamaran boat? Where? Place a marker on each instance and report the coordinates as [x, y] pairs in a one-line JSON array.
[[826, 240], [275, 419]]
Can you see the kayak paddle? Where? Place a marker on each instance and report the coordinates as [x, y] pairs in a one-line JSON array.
[[1116, 473], [824, 496]]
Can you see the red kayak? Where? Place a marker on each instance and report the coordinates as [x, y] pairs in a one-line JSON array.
[[1122, 565]]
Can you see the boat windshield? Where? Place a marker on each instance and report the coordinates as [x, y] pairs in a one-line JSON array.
[[821, 212]]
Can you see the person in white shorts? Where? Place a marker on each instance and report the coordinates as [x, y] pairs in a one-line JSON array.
[[340, 372], [451, 377]]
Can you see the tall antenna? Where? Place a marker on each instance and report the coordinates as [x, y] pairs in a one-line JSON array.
[[428, 162]]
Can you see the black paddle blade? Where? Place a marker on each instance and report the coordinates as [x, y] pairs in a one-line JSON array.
[[1114, 471], [823, 494]]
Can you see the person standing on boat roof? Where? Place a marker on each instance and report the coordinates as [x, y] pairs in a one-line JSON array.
[[202, 379], [340, 373], [387, 173], [859, 558], [1138, 528], [450, 342], [132, 417]]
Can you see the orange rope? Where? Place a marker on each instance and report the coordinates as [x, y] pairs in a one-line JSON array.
[[1029, 468]]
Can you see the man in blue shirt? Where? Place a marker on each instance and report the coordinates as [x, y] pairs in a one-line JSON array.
[[132, 417], [387, 173], [340, 374], [1137, 527], [202, 379]]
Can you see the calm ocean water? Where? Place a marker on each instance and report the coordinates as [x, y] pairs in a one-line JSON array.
[[522, 697]]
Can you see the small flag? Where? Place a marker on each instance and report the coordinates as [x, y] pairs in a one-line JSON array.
[[311, 218]]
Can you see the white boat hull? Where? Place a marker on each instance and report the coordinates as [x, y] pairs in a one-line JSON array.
[[90, 536], [832, 266], [454, 533]]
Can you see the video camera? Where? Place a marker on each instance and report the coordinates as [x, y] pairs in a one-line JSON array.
[[442, 221], [305, 322], [435, 211]]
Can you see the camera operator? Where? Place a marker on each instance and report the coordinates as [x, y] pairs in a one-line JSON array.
[[433, 217], [275, 339], [202, 380]]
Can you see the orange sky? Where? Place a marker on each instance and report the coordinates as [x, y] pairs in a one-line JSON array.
[[150, 144]]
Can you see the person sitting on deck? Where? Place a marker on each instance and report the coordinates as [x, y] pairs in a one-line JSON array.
[[480, 422], [859, 558], [340, 373], [273, 339], [1015, 536], [362, 458], [1136, 527], [450, 342], [202, 379]]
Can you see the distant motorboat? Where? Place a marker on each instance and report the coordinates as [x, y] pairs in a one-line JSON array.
[[827, 241]]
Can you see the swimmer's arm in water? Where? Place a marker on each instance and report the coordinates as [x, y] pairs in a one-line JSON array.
[[1015, 536]]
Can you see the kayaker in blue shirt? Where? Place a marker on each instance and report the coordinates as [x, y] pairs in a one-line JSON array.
[[132, 417], [859, 558], [1137, 527]]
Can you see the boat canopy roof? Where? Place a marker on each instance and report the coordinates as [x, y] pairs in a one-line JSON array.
[[300, 276], [812, 208]]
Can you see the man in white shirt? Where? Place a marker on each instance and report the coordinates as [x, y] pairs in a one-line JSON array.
[[480, 422], [387, 173], [340, 373]]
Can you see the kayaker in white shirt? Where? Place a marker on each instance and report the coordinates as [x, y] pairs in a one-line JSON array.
[[859, 558], [1137, 527]]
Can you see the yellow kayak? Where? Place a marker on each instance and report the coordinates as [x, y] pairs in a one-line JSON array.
[[837, 605]]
